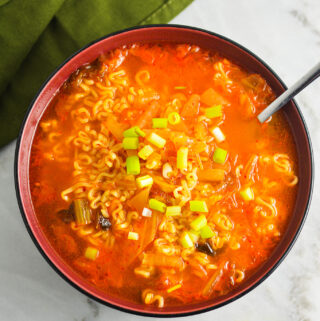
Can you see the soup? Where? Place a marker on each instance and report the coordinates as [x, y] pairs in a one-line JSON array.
[[153, 179]]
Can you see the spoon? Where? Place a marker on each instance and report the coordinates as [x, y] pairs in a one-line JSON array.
[[308, 78]]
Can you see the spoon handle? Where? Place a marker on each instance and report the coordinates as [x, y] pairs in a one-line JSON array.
[[309, 77]]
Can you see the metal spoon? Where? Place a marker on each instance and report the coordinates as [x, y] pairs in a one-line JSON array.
[[308, 78]]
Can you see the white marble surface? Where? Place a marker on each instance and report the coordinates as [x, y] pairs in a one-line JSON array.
[[285, 33]]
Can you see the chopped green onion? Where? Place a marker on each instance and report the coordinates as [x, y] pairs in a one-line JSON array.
[[173, 210], [134, 131], [213, 112], [133, 236], [145, 152], [199, 223], [194, 235], [220, 155], [146, 212], [185, 240], [218, 134], [133, 165], [159, 122], [198, 206], [144, 181], [156, 140], [174, 118], [247, 194], [91, 253], [173, 288], [82, 212], [182, 158], [130, 143], [131, 132], [139, 131], [206, 232], [180, 87], [157, 205]]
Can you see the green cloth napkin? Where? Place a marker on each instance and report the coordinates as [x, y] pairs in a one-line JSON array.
[[36, 36]]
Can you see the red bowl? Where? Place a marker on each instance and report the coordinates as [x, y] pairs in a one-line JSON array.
[[156, 34]]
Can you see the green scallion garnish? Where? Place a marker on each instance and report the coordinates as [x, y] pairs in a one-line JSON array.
[[182, 158], [213, 112], [130, 143], [180, 87], [144, 181], [159, 123], [156, 140], [220, 155], [145, 152], [206, 232], [198, 206], [133, 236], [247, 194], [186, 240], [173, 210], [134, 131], [157, 205], [174, 118], [199, 223], [133, 165], [91, 253], [139, 131], [131, 132]]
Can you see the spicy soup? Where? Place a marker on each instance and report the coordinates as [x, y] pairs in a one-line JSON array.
[[153, 179]]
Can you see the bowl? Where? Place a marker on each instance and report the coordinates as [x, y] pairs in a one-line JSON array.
[[155, 34]]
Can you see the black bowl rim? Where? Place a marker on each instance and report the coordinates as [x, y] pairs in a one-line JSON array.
[[123, 309]]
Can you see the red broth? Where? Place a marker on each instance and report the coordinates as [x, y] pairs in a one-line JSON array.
[[133, 229]]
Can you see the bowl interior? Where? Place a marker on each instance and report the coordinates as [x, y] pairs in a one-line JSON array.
[[156, 34]]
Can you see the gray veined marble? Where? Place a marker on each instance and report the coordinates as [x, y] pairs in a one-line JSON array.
[[286, 34]]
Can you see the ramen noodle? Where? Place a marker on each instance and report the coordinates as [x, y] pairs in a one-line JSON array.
[[153, 179]]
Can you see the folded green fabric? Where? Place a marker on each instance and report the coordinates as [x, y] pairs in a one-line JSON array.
[[36, 36]]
